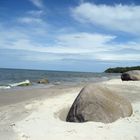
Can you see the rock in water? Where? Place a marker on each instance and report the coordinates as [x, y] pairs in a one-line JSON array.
[[98, 103], [131, 75], [43, 81], [23, 83]]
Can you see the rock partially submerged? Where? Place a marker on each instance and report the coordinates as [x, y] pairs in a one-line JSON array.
[[43, 81], [133, 75], [24, 83], [97, 103]]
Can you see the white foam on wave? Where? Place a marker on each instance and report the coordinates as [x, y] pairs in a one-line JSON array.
[[23, 83], [26, 82], [5, 87]]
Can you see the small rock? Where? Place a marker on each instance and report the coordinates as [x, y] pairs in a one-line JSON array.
[[43, 81], [13, 124]]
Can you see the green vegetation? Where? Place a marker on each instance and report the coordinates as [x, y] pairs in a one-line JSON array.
[[121, 69]]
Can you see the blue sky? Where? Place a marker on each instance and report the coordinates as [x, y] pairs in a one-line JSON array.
[[72, 35]]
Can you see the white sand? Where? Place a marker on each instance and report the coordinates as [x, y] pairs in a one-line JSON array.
[[120, 82], [47, 121]]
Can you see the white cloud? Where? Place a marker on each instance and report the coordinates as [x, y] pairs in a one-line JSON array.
[[33, 17], [118, 57], [118, 17], [62, 43], [76, 45], [36, 13], [84, 42], [85, 38], [39, 57], [31, 20], [38, 3]]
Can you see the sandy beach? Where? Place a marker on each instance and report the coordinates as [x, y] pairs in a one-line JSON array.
[[39, 114], [69, 70]]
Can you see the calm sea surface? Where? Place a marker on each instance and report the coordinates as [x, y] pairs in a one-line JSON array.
[[9, 76]]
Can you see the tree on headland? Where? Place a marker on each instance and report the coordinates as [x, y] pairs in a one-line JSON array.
[[121, 69]]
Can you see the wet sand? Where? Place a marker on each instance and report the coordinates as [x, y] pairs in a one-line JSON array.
[[15, 95]]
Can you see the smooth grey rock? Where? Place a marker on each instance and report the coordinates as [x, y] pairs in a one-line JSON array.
[[133, 75], [97, 103]]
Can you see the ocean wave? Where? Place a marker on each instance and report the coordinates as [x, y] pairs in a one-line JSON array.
[[23, 83], [5, 87]]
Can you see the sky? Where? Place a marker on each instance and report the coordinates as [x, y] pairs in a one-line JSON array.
[[69, 35]]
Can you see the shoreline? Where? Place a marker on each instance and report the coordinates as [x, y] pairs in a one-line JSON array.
[[17, 95], [40, 114], [16, 105]]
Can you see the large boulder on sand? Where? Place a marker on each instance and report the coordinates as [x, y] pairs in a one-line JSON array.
[[131, 75], [98, 103]]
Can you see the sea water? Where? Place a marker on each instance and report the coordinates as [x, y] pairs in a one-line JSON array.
[[11, 76]]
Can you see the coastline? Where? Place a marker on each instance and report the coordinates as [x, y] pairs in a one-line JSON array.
[[40, 114], [18, 95]]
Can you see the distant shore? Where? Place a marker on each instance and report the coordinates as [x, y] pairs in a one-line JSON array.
[[121, 69], [39, 114]]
